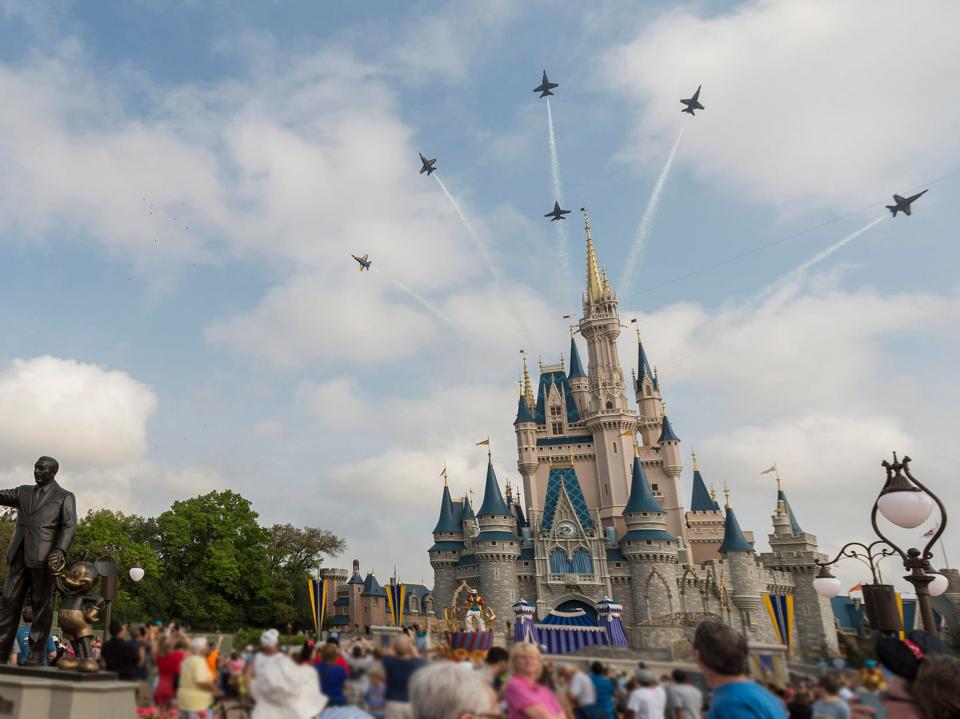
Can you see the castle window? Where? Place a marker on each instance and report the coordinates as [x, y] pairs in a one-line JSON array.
[[557, 428], [654, 487], [582, 562], [617, 564], [555, 411], [615, 448], [609, 405], [646, 390]]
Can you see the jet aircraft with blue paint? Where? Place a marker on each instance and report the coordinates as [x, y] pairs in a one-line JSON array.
[[693, 103], [428, 165], [556, 213], [903, 204], [546, 86], [363, 261]]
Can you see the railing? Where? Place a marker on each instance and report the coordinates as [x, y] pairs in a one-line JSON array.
[[572, 578]]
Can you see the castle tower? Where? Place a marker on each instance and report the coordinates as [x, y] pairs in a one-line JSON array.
[[608, 415], [354, 590], [525, 426], [647, 391], [651, 552], [704, 520], [448, 545], [794, 552], [497, 548], [579, 381], [745, 578], [669, 444], [468, 523]]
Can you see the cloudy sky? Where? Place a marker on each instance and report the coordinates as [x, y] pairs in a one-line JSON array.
[[182, 185]]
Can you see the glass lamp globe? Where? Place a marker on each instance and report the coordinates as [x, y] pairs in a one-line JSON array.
[[938, 586], [905, 508], [136, 573], [827, 586]]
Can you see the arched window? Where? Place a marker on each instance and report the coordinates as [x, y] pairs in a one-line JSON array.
[[428, 605], [609, 405], [582, 562], [559, 564], [414, 603]]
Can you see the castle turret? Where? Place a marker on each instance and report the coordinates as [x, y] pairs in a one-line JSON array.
[[525, 426], [497, 548], [745, 577], [705, 523], [647, 391], [579, 381], [447, 547], [669, 444], [794, 551], [651, 552]]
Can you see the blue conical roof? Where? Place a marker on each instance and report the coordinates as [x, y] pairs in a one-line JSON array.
[[467, 510], [493, 504], [576, 368], [447, 522], [643, 365], [733, 539], [667, 434], [701, 501], [794, 525], [641, 496], [523, 411]]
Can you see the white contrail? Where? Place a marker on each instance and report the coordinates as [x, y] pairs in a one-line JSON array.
[[482, 246], [639, 247], [563, 256], [419, 298], [800, 271]]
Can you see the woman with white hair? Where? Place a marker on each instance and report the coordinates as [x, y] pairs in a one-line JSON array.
[[282, 688], [196, 689], [526, 697], [451, 691]]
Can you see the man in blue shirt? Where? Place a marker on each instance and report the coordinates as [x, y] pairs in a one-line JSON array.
[[721, 652], [23, 642]]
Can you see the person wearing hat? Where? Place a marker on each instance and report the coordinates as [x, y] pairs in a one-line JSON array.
[[282, 688], [926, 679]]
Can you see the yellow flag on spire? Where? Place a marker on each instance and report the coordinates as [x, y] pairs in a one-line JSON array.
[[768, 471], [483, 442]]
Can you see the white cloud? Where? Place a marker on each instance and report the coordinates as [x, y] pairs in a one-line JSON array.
[[82, 414], [336, 402], [805, 102]]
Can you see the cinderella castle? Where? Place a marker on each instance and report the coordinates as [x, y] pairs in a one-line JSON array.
[[604, 521]]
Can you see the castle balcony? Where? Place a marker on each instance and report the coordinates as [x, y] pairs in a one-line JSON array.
[[573, 580]]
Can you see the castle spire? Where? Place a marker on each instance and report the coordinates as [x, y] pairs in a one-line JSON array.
[[701, 500], [667, 434], [493, 503], [788, 510], [595, 285], [576, 368], [527, 386], [446, 522], [641, 496], [733, 539]]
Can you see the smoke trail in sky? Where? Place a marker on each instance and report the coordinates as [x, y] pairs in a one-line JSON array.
[[482, 246], [563, 242], [639, 247], [799, 272], [418, 297]]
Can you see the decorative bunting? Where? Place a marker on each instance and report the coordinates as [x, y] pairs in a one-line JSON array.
[[396, 598], [780, 609], [318, 602]]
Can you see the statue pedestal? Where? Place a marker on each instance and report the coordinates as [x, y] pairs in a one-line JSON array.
[[48, 693]]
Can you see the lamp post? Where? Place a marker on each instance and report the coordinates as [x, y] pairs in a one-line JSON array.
[[908, 503]]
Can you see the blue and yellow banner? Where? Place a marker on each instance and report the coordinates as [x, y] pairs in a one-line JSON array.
[[396, 598], [780, 609], [318, 602]]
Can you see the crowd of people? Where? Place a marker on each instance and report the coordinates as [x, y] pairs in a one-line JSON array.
[[183, 677]]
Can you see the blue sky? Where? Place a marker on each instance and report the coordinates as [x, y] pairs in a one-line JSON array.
[[225, 340]]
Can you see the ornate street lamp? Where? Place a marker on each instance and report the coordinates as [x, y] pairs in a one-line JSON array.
[[136, 572], [906, 502]]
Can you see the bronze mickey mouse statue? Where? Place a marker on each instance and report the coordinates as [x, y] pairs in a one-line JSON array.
[[80, 609]]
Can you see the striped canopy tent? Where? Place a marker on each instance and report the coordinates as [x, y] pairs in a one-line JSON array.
[[562, 632], [523, 627], [609, 612]]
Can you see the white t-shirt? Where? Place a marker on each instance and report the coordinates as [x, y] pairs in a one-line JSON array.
[[648, 702], [581, 688]]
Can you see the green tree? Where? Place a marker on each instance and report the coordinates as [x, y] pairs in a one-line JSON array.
[[216, 568], [130, 540], [295, 554]]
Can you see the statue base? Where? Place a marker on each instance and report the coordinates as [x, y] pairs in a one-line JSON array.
[[50, 693]]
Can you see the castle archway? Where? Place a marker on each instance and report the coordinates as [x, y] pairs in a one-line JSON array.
[[573, 605]]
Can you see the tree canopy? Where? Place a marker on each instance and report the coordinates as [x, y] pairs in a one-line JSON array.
[[208, 563]]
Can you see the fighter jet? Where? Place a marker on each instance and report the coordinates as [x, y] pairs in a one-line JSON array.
[[903, 204], [556, 213], [693, 103], [546, 86], [428, 165], [363, 261]]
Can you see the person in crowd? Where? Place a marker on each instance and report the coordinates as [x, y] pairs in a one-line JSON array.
[[121, 655], [398, 668], [648, 700], [23, 641], [829, 705], [526, 696], [142, 639], [495, 666], [281, 688], [195, 688], [684, 701], [333, 677], [581, 693], [360, 663], [170, 656], [213, 656], [722, 653], [375, 697], [924, 681], [451, 691], [801, 706], [235, 666], [605, 689]]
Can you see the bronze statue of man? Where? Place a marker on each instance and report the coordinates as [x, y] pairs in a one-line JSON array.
[[46, 522]]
